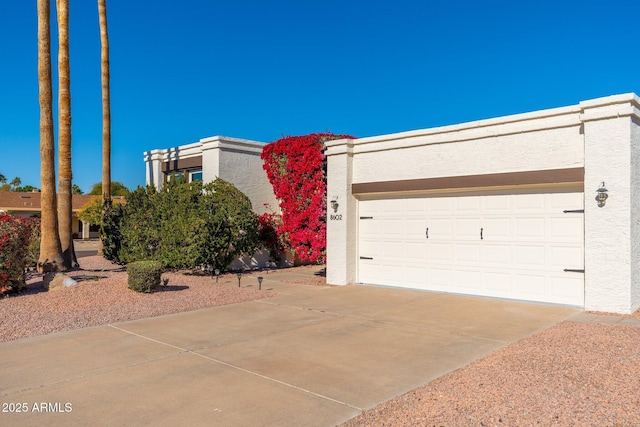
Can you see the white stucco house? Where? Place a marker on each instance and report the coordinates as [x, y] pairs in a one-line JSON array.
[[502, 208], [232, 159]]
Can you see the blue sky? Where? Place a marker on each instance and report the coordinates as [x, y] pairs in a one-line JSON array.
[[260, 70]]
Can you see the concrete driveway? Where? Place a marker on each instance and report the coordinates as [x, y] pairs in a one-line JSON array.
[[315, 356]]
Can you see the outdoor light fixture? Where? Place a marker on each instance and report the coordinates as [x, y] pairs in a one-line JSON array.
[[260, 278], [334, 204], [602, 196], [239, 277], [217, 273]]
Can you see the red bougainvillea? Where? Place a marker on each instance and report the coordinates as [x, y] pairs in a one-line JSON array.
[[296, 168], [15, 237]]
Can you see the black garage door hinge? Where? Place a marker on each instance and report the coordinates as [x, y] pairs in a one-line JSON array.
[[574, 270], [573, 211], [366, 257]]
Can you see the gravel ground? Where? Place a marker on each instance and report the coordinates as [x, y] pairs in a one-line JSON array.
[[102, 297], [573, 374]]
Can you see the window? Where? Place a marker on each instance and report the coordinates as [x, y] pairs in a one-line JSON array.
[[195, 176]]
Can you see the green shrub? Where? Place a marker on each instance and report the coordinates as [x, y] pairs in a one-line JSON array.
[[184, 225], [144, 276]]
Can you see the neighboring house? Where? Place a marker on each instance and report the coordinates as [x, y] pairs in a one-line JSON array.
[[501, 208], [28, 205], [232, 159]]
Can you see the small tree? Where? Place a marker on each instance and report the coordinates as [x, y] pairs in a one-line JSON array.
[[117, 189]]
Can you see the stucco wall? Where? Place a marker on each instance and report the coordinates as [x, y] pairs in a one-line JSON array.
[[232, 159], [523, 143], [635, 214], [610, 232]]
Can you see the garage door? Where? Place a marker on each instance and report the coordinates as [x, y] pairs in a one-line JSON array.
[[517, 246]]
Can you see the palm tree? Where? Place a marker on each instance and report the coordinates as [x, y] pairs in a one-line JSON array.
[[50, 258], [106, 107], [64, 138]]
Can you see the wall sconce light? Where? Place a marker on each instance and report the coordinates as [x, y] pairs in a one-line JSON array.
[[334, 204], [602, 196]]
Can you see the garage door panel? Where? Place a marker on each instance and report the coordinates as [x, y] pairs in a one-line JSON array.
[[562, 201], [467, 254], [415, 252], [529, 228], [440, 278], [530, 256], [392, 228], [567, 289], [468, 281], [498, 283], [440, 252], [562, 257], [498, 204], [440, 228], [468, 204], [415, 229], [393, 250], [527, 242], [566, 228], [468, 228], [529, 286], [497, 229], [530, 202], [498, 255]]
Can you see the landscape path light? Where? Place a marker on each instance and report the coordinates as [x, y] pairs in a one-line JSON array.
[[260, 278], [239, 277], [217, 273]]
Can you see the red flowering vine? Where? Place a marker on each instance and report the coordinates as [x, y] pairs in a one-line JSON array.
[[296, 168]]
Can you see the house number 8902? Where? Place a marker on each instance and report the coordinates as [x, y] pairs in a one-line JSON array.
[[335, 217]]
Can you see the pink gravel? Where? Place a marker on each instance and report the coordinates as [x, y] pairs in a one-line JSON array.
[[102, 297]]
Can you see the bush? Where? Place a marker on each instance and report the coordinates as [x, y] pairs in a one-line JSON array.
[[144, 276], [15, 240], [184, 225]]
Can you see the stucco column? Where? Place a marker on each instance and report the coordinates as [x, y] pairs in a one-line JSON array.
[[210, 158], [153, 164], [85, 230], [611, 232], [342, 221]]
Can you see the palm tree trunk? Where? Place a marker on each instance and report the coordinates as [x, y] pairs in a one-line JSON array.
[[50, 258], [64, 138], [106, 113], [106, 104]]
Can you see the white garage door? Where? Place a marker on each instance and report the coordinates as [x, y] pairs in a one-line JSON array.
[[518, 246]]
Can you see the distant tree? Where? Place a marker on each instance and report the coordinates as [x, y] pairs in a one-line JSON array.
[[75, 189], [16, 182], [26, 189], [117, 189], [3, 180]]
